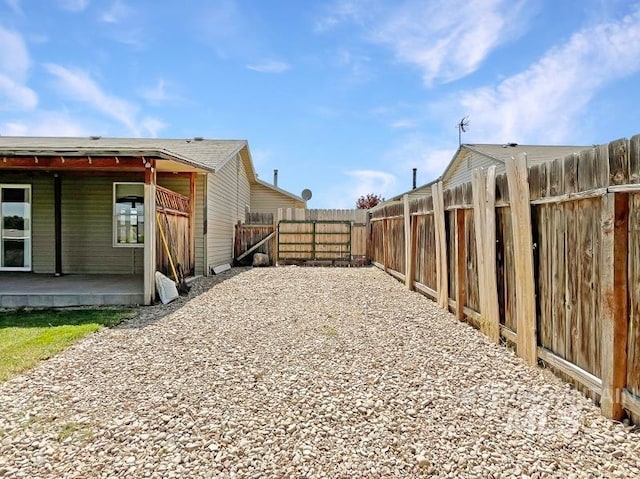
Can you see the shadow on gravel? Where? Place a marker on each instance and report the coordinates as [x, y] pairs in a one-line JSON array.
[[145, 315]]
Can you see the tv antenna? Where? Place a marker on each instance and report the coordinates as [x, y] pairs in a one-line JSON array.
[[462, 128]]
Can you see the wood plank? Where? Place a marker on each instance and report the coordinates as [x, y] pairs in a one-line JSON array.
[[544, 179], [556, 177], [508, 334], [441, 245], [585, 316], [631, 403], [461, 264], [413, 254], [570, 172], [543, 216], [472, 290], [255, 247], [579, 196], [587, 170], [571, 280], [422, 288], [602, 166], [633, 342], [396, 274], [613, 292], [634, 159], [479, 212], [583, 377], [97, 163], [523, 252], [493, 310], [557, 233], [619, 161], [534, 182], [385, 244], [408, 244]]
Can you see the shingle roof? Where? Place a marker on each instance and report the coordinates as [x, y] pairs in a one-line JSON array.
[[535, 154], [209, 154]]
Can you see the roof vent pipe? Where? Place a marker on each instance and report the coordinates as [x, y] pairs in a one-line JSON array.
[[275, 177], [415, 176]]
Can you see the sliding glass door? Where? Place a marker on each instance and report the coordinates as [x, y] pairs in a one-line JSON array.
[[15, 229]]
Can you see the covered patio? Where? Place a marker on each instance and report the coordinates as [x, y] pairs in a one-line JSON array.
[[46, 290]]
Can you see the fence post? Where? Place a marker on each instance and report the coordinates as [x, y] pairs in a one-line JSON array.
[[613, 298], [441, 245], [517, 177], [276, 227], [409, 260], [461, 264], [385, 246]]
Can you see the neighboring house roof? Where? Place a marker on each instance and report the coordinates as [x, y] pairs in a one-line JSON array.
[[495, 154], [204, 154], [502, 153]]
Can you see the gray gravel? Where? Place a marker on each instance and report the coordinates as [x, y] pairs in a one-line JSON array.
[[301, 372]]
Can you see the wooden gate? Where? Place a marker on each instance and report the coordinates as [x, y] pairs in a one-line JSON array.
[[174, 220], [325, 241]]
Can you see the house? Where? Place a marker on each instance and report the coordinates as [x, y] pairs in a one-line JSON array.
[[469, 157], [91, 206]]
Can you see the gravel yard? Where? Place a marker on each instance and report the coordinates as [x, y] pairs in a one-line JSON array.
[[301, 372]]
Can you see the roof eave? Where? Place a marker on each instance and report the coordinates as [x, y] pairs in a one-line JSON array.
[[279, 190], [157, 153]]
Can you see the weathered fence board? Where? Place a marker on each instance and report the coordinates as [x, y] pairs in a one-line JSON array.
[[633, 342], [567, 262]]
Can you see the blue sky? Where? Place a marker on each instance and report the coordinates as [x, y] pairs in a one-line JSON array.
[[343, 97]]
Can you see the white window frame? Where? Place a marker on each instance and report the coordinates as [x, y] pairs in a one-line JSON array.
[[114, 217], [29, 245]]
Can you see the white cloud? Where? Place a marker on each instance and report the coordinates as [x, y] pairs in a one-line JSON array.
[[46, 124], [79, 86], [157, 93], [342, 11], [16, 96], [14, 71], [74, 5], [415, 151], [270, 66], [544, 102], [118, 12], [152, 126], [445, 40], [364, 182], [14, 56], [403, 123], [15, 6]]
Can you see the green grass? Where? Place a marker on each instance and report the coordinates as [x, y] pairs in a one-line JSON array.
[[27, 337]]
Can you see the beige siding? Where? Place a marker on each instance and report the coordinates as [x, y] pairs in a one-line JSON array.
[[462, 171], [42, 218], [264, 199], [180, 184], [228, 193], [87, 228]]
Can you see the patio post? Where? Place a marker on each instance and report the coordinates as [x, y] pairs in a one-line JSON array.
[[149, 231]]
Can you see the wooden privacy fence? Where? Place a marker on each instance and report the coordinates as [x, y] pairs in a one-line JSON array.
[[175, 219], [256, 235], [546, 257], [311, 236]]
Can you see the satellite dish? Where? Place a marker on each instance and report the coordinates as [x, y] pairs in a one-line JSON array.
[[306, 194]]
